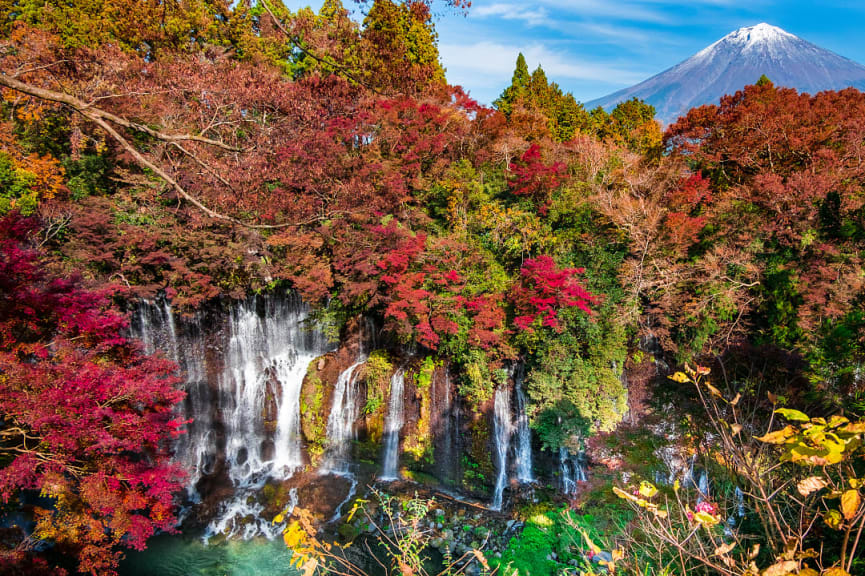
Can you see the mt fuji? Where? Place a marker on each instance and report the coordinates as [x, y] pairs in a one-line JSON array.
[[733, 62]]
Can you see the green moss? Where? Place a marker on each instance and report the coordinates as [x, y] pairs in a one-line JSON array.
[[376, 373], [421, 478], [424, 375], [546, 533], [313, 420], [478, 468], [418, 445], [476, 384]]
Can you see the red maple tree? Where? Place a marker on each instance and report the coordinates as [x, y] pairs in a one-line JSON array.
[[544, 290], [84, 413]]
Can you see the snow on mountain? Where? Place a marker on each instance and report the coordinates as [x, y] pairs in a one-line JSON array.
[[736, 60]]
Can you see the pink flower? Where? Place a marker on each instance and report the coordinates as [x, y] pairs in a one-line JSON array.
[[707, 507]]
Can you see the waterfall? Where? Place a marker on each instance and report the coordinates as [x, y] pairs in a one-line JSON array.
[[445, 421], [569, 484], [503, 429], [340, 424], [524, 435], [688, 476], [740, 503], [154, 324], [196, 450], [393, 426], [266, 362], [268, 353], [171, 329], [703, 487], [344, 411], [572, 469]]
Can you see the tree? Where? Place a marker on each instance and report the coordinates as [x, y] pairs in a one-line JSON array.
[[400, 48], [533, 93], [533, 178], [786, 198], [544, 290], [85, 416], [518, 89]]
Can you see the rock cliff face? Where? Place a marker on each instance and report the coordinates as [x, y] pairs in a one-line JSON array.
[[735, 61], [279, 414]]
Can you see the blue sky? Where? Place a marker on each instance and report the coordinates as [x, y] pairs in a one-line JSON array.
[[594, 47]]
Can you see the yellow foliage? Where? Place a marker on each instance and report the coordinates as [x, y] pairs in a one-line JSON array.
[[850, 502]]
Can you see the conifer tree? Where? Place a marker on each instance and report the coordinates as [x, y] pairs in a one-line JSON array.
[[518, 89]]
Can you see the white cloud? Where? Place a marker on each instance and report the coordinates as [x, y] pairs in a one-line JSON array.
[[486, 67], [624, 11], [531, 16]]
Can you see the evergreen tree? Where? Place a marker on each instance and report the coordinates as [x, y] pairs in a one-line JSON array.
[[401, 46], [518, 89]]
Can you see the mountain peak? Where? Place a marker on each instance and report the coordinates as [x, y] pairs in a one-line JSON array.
[[739, 59], [760, 37], [760, 33]]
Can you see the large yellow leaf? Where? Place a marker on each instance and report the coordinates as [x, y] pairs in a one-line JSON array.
[[705, 518], [647, 490], [855, 427], [778, 436], [850, 502]]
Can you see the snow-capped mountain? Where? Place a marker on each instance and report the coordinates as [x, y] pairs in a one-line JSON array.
[[739, 59]]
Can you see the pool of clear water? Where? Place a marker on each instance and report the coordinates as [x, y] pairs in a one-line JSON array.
[[187, 555]]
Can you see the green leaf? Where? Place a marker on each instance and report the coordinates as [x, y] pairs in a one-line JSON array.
[[833, 519], [793, 415]]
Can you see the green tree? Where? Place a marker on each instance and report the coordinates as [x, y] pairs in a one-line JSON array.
[[519, 88], [535, 93], [400, 48]]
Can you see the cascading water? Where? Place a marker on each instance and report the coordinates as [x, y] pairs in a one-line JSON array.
[[268, 353], [154, 324], [703, 487], [569, 485], [572, 469], [344, 411], [524, 435], [340, 424], [688, 479], [196, 450], [445, 421], [393, 426], [502, 431]]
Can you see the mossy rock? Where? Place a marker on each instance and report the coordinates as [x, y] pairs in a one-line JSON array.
[[376, 373], [314, 404], [479, 470], [348, 532], [418, 445]]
